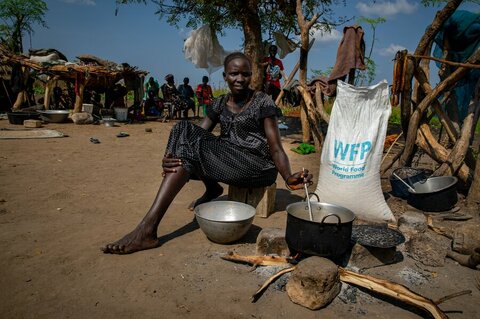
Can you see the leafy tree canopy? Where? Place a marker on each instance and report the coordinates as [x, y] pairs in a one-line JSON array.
[[274, 15], [18, 17]]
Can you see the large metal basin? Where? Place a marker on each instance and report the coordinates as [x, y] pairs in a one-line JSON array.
[[224, 222], [436, 194], [54, 116]]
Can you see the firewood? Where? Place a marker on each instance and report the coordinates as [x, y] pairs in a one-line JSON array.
[[267, 283], [392, 290], [258, 260]]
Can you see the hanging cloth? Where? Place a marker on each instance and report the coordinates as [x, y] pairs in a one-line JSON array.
[[203, 49], [284, 44]]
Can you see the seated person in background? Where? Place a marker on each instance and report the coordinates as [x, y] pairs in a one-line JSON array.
[[187, 94], [247, 153], [151, 85], [204, 96], [153, 105]]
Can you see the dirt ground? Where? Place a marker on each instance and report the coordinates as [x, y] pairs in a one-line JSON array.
[[61, 199]]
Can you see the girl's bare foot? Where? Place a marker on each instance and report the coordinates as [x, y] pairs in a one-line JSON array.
[[137, 240]]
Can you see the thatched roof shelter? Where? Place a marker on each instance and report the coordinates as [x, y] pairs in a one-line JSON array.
[[88, 72]]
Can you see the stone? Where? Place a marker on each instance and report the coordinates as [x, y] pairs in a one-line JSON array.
[[466, 237], [271, 241], [363, 257], [82, 118], [429, 249], [32, 123], [314, 283], [412, 222]]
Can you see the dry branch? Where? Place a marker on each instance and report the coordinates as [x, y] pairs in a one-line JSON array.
[[427, 142], [267, 283], [258, 260], [392, 290]]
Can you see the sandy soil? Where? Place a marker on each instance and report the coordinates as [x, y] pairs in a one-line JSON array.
[[61, 199]]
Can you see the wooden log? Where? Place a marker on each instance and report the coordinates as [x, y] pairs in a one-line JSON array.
[[306, 136], [436, 151], [459, 151], [414, 123], [262, 198], [292, 74], [267, 283], [313, 117], [474, 192], [258, 260], [79, 94], [446, 122], [392, 290], [320, 105], [406, 102]]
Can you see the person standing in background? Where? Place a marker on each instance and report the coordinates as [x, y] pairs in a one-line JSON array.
[[186, 92], [273, 73], [204, 96]]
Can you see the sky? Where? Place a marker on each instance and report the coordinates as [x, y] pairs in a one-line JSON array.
[[137, 36]]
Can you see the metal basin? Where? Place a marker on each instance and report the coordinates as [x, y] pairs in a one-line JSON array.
[[54, 116], [436, 194], [224, 222]]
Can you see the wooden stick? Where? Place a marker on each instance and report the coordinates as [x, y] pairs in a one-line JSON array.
[[390, 148], [258, 260], [267, 283], [393, 290], [454, 295], [467, 65], [292, 74]]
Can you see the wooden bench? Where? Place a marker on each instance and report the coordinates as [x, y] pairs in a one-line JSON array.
[[262, 198]]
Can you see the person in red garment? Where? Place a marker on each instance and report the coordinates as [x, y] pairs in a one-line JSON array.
[[248, 152], [273, 73]]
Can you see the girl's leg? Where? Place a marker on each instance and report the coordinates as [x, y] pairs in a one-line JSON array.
[[144, 236], [212, 191]]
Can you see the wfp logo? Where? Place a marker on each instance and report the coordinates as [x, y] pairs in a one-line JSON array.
[[351, 152]]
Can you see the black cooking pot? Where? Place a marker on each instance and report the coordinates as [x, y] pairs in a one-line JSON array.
[[436, 194], [410, 176], [19, 117], [328, 235]]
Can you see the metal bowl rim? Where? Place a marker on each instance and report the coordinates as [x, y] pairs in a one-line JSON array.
[[453, 178], [348, 211], [250, 208]]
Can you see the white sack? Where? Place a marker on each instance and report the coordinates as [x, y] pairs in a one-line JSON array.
[[203, 49], [351, 156]]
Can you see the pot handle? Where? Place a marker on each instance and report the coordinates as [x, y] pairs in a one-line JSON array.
[[338, 217], [314, 194]]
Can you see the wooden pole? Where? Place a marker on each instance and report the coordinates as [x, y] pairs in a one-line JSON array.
[[292, 74]]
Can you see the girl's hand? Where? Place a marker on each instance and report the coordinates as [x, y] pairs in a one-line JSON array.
[[298, 179], [170, 164]]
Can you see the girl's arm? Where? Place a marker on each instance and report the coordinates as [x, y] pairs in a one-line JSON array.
[[293, 181]]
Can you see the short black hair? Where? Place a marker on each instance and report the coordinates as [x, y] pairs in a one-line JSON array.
[[235, 55], [205, 79]]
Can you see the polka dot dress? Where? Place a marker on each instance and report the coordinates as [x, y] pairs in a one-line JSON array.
[[239, 156]]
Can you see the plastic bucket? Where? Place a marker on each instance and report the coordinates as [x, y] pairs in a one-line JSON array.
[[121, 113], [87, 108]]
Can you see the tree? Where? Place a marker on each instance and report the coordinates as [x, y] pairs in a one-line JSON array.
[[255, 18], [18, 17], [368, 74]]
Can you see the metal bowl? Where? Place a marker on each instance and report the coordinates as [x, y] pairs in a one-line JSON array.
[[224, 222], [109, 121], [54, 116]]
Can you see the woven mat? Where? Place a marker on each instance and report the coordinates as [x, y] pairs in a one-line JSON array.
[[28, 133]]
